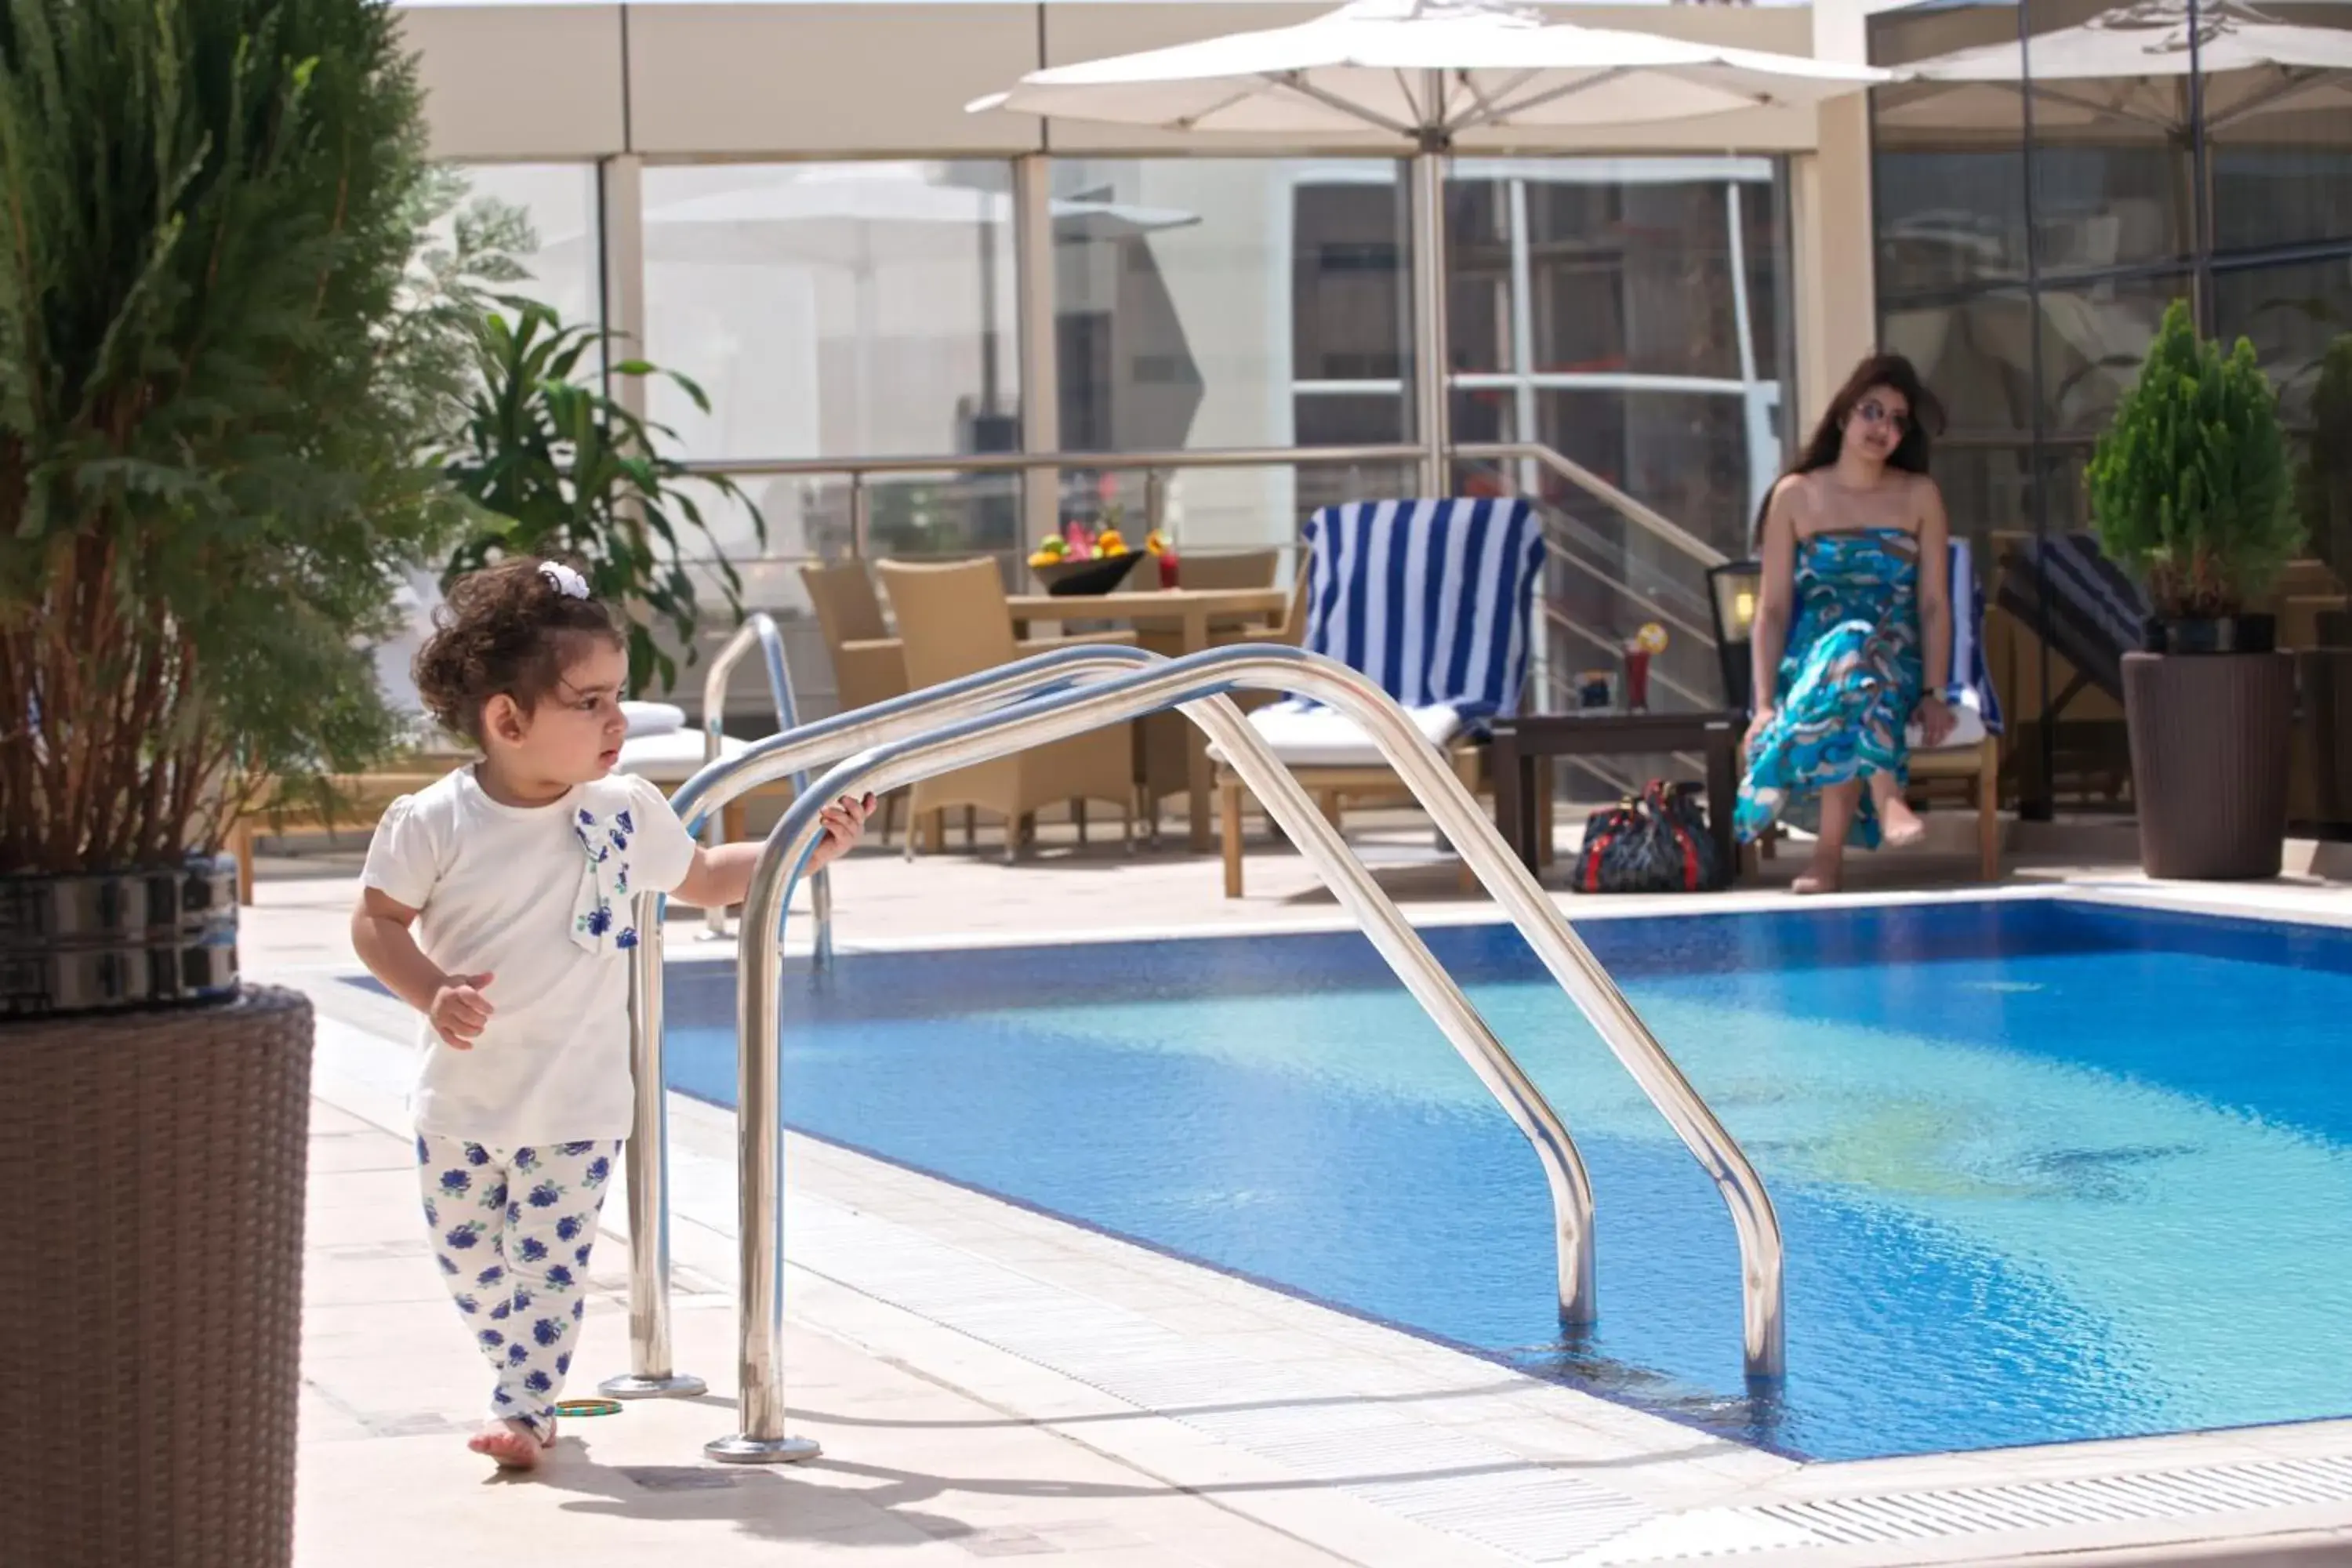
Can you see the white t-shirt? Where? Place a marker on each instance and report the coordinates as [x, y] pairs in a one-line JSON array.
[[544, 901]]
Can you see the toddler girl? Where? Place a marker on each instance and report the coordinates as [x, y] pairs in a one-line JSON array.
[[500, 904]]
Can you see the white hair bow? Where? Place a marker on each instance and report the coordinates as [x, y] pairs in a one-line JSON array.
[[568, 583]]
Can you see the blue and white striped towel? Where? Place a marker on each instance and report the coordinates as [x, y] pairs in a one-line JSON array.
[[1429, 598], [1968, 690]]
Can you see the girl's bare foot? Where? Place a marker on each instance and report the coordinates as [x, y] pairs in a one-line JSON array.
[[512, 1444], [1899, 826]]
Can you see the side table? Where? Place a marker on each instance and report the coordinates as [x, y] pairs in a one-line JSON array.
[[1523, 741]]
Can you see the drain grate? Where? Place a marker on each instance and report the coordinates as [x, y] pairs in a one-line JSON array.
[[1897, 1519], [2091, 1499], [688, 1477]]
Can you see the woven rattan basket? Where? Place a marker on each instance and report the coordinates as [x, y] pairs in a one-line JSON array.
[[151, 1291]]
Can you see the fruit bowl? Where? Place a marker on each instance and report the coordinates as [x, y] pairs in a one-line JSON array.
[[1096, 575]]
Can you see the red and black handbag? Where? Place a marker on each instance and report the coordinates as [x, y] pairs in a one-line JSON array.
[[1657, 842]]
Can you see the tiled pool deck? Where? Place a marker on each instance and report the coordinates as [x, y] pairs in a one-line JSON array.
[[990, 1382]]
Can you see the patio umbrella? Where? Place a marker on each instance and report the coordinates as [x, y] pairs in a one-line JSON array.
[[2133, 63], [1427, 77]]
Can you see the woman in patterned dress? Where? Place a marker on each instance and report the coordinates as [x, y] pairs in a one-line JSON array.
[[1854, 636]]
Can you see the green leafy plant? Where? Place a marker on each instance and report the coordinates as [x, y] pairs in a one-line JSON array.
[[556, 467], [2190, 483], [2324, 484], [217, 376]]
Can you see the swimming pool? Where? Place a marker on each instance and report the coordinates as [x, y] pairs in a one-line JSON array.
[[2048, 1170]]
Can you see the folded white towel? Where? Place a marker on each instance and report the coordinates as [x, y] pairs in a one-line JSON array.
[[1326, 737], [1968, 725], [652, 719], [673, 758]]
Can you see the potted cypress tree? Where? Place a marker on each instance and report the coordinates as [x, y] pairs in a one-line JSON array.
[[2189, 487], [214, 394]]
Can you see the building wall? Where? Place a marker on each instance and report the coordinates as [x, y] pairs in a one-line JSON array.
[[881, 78]]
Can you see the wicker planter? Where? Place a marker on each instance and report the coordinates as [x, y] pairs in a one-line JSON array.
[[155, 1156], [2209, 746]]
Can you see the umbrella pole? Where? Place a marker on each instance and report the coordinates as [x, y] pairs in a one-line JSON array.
[[1431, 359]]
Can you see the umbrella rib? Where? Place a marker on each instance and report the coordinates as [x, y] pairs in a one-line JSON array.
[[1297, 82], [1488, 114], [2091, 106], [1190, 121], [2291, 79], [1502, 111], [2120, 111], [1404, 86]]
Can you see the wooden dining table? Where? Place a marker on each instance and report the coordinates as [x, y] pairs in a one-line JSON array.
[[1192, 614]]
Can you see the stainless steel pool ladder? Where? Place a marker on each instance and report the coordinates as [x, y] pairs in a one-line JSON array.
[[1196, 685], [652, 1371], [759, 627]]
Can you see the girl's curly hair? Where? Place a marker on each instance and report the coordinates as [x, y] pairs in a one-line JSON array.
[[508, 630]]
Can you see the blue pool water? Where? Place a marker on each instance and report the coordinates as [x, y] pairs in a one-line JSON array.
[[2047, 1170]]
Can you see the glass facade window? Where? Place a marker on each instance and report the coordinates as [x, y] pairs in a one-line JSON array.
[[2142, 181], [833, 309], [2064, 172], [1227, 302], [559, 202], [840, 309], [563, 265], [1627, 312]]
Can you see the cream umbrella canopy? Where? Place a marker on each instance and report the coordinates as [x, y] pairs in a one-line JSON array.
[[1427, 77]]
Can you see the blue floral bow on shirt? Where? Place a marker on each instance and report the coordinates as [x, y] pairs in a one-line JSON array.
[[602, 904]]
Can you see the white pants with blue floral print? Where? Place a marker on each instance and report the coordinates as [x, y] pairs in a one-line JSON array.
[[513, 1229]]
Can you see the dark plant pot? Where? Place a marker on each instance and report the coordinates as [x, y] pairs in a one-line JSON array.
[[2219, 634], [2324, 677], [2209, 748], [157, 1158], [104, 941]]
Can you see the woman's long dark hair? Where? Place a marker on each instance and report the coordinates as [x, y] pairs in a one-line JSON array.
[[1894, 373]]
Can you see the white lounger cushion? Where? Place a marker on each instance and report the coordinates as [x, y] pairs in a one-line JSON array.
[[1326, 737], [652, 719], [671, 758], [1968, 725]]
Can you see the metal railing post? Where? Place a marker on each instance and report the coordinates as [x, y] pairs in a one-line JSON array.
[[1155, 502], [651, 1374], [759, 627], [1195, 684]]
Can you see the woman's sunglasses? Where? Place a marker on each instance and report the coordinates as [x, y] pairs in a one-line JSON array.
[[1874, 411]]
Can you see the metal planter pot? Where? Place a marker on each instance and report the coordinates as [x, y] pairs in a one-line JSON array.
[[103, 942], [154, 1130], [2208, 744]]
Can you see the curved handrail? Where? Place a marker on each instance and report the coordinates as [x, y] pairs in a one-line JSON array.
[[760, 627], [786, 754], [1197, 686], [846, 734]]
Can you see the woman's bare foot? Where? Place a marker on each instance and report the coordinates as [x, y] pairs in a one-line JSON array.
[[512, 1444], [1899, 826], [1818, 878]]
